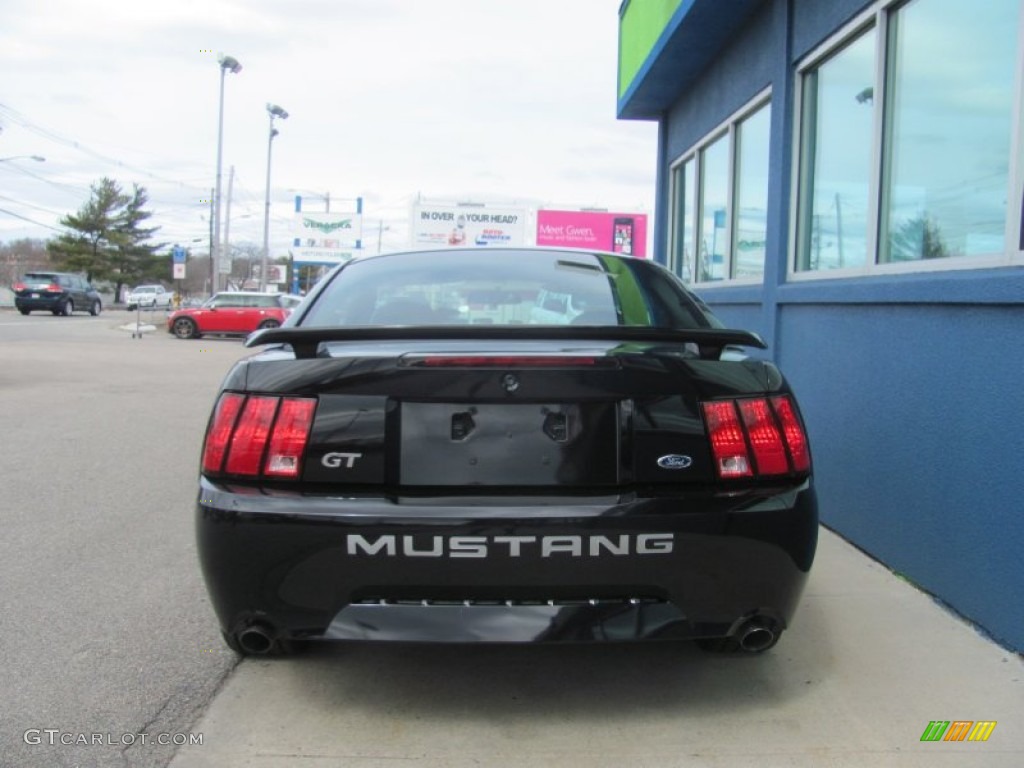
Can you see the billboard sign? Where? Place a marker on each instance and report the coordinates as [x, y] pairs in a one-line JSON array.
[[445, 226], [328, 230], [624, 233]]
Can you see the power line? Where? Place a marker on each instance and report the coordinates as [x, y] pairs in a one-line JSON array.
[[16, 117], [30, 221], [73, 187], [30, 205]]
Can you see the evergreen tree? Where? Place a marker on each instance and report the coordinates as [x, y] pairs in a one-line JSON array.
[[89, 243], [106, 239]]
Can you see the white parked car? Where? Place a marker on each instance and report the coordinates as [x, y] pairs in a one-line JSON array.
[[149, 297]]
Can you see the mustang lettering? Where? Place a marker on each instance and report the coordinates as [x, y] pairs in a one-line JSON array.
[[512, 546]]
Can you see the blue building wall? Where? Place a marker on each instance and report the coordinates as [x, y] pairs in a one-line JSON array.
[[912, 386]]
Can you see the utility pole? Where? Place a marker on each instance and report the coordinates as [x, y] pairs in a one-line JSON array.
[[225, 252], [213, 262]]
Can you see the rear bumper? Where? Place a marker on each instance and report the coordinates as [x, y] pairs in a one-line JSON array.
[[510, 570], [48, 303]]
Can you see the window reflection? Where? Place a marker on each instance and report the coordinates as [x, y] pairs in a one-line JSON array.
[[837, 131], [685, 187], [751, 218], [720, 201], [714, 202], [951, 72]]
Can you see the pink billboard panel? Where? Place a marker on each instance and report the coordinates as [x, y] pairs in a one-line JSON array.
[[594, 230]]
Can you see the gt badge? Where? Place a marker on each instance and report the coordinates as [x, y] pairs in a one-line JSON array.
[[675, 461], [335, 460]]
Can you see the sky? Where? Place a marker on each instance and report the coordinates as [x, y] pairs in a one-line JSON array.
[[500, 101]]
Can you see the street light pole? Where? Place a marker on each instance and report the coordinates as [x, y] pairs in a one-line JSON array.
[[274, 111], [227, 64]]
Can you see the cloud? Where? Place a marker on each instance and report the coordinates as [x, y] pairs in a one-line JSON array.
[[388, 99]]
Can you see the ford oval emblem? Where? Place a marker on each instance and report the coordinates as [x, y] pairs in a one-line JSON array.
[[675, 461]]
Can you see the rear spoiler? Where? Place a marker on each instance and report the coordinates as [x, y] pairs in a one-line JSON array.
[[306, 341]]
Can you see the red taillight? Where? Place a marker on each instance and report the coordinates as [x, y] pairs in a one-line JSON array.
[[753, 437], [223, 424], [288, 441], [793, 432], [261, 432], [765, 438], [18, 287], [245, 452], [727, 441], [54, 288]]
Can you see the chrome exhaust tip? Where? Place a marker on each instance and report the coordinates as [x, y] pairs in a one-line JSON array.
[[255, 640], [757, 635]]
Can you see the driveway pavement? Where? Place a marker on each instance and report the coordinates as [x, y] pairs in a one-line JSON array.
[[868, 665]]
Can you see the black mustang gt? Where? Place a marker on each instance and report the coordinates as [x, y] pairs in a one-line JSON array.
[[513, 444]]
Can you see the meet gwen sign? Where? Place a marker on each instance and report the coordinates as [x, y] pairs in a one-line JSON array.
[[624, 233]]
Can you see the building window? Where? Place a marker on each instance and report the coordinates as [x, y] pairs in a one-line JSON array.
[[714, 209], [751, 220], [719, 201], [905, 151], [835, 157], [684, 184]]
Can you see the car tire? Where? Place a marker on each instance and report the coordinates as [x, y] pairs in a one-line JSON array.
[[185, 328], [68, 308], [268, 324], [24, 311], [96, 308]]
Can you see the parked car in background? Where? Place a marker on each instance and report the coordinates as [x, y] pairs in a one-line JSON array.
[[232, 313], [58, 292], [420, 456], [149, 297]]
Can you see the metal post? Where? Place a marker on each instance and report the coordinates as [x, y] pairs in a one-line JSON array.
[[226, 252], [226, 63], [215, 272], [266, 212], [274, 111]]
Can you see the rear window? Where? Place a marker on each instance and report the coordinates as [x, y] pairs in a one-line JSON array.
[[40, 277], [506, 287]]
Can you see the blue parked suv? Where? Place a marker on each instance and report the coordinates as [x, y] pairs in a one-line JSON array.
[[58, 292]]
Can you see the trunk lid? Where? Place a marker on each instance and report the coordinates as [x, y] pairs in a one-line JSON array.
[[524, 414]]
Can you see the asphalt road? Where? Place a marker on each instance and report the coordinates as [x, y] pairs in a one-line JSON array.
[[105, 628]]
